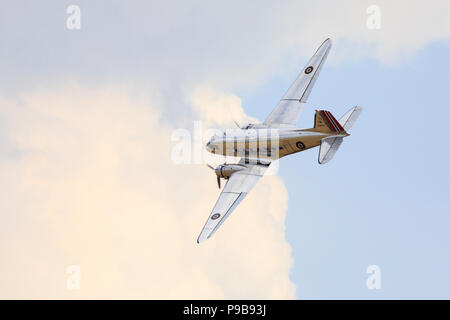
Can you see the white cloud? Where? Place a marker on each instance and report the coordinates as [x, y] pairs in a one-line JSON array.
[[216, 107], [87, 180], [224, 44], [406, 27], [241, 44]]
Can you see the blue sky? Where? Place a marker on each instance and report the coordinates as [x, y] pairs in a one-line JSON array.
[[86, 118], [384, 198]]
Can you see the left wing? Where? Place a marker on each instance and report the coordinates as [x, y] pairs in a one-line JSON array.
[[291, 104], [237, 187]]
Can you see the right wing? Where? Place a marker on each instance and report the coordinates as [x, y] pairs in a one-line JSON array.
[[290, 106], [237, 187]]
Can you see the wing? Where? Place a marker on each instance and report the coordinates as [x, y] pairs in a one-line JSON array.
[[237, 187], [290, 106]]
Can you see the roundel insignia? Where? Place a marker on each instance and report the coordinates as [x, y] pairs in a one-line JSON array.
[[309, 70], [215, 216], [300, 145]]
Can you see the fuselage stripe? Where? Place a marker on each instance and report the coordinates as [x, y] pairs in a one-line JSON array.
[[328, 121]]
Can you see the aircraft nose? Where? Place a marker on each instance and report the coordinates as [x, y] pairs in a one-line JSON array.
[[211, 147]]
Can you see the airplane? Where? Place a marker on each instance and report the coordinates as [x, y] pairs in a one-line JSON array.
[[258, 145]]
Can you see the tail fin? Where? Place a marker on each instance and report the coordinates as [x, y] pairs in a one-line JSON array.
[[325, 122]]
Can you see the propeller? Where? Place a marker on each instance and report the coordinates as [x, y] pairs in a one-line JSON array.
[[218, 181], [218, 177], [237, 124]]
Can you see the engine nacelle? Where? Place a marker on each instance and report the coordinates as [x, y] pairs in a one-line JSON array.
[[226, 170]]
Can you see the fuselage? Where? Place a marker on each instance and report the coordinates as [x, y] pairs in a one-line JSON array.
[[265, 142]]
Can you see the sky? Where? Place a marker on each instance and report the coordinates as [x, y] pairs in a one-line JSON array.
[[87, 118]]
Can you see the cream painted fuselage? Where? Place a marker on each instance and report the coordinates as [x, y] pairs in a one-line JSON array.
[[266, 143]]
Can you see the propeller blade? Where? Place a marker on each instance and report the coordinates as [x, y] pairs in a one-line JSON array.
[[218, 181], [209, 166]]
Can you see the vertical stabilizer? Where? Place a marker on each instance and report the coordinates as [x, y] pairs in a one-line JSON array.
[[324, 121]]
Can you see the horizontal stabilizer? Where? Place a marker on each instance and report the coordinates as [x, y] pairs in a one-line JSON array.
[[350, 117], [328, 148]]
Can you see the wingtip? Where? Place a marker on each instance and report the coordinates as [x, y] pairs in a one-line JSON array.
[[328, 41], [200, 239]]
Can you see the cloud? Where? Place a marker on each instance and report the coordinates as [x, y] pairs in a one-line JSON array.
[[405, 27], [87, 180], [224, 44], [216, 107]]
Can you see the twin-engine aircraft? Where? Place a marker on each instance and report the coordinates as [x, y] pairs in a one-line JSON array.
[[257, 145]]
